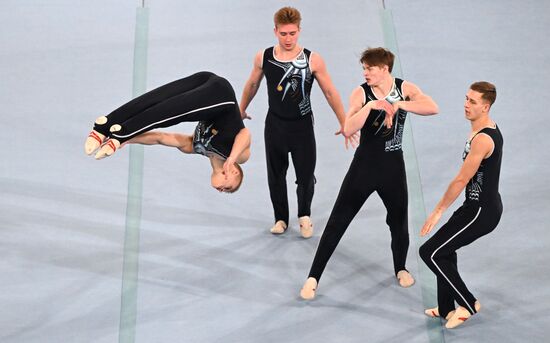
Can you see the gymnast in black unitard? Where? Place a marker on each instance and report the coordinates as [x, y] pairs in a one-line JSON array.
[[202, 97]]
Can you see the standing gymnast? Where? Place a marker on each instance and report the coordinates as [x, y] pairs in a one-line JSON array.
[[204, 97], [478, 215], [290, 71], [378, 108]]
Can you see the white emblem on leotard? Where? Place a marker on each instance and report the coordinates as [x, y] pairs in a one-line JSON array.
[[296, 75]]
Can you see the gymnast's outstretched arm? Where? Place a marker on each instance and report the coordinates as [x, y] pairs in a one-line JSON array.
[[177, 140]]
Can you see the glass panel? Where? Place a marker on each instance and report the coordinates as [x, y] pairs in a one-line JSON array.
[[135, 187], [417, 213]]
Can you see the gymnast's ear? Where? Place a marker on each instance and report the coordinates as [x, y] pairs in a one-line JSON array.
[[237, 170]]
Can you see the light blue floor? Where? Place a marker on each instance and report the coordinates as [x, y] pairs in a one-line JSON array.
[[209, 270]]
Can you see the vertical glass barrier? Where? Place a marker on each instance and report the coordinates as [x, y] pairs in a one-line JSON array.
[[417, 213], [128, 306]]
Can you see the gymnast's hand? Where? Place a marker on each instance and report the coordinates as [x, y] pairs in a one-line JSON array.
[[389, 118], [430, 222], [390, 110], [229, 166], [245, 115], [352, 140], [383, 105]]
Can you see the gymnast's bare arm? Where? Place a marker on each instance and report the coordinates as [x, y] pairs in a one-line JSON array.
[[240, 152], [177, 140], [252, 84]]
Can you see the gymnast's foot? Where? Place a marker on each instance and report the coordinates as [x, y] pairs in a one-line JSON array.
[[107, 149], [434, 313], [278, 228], [309, 288], [405, 278], [93, 141], [460, 316], [306, 226]]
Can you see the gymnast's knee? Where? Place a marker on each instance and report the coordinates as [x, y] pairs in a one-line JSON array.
[[306, 182], [425, 252]]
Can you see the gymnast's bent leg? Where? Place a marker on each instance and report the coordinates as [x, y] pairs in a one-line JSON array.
[[466, 225], [197, 97]]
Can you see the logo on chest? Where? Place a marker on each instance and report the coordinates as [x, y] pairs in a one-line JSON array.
[[296, 75], [202, 139]]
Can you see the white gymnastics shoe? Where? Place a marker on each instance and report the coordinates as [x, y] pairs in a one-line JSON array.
[[309, 288], [107, 149], [93, 142], [405, 278], [278, 228], [306, 226]]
